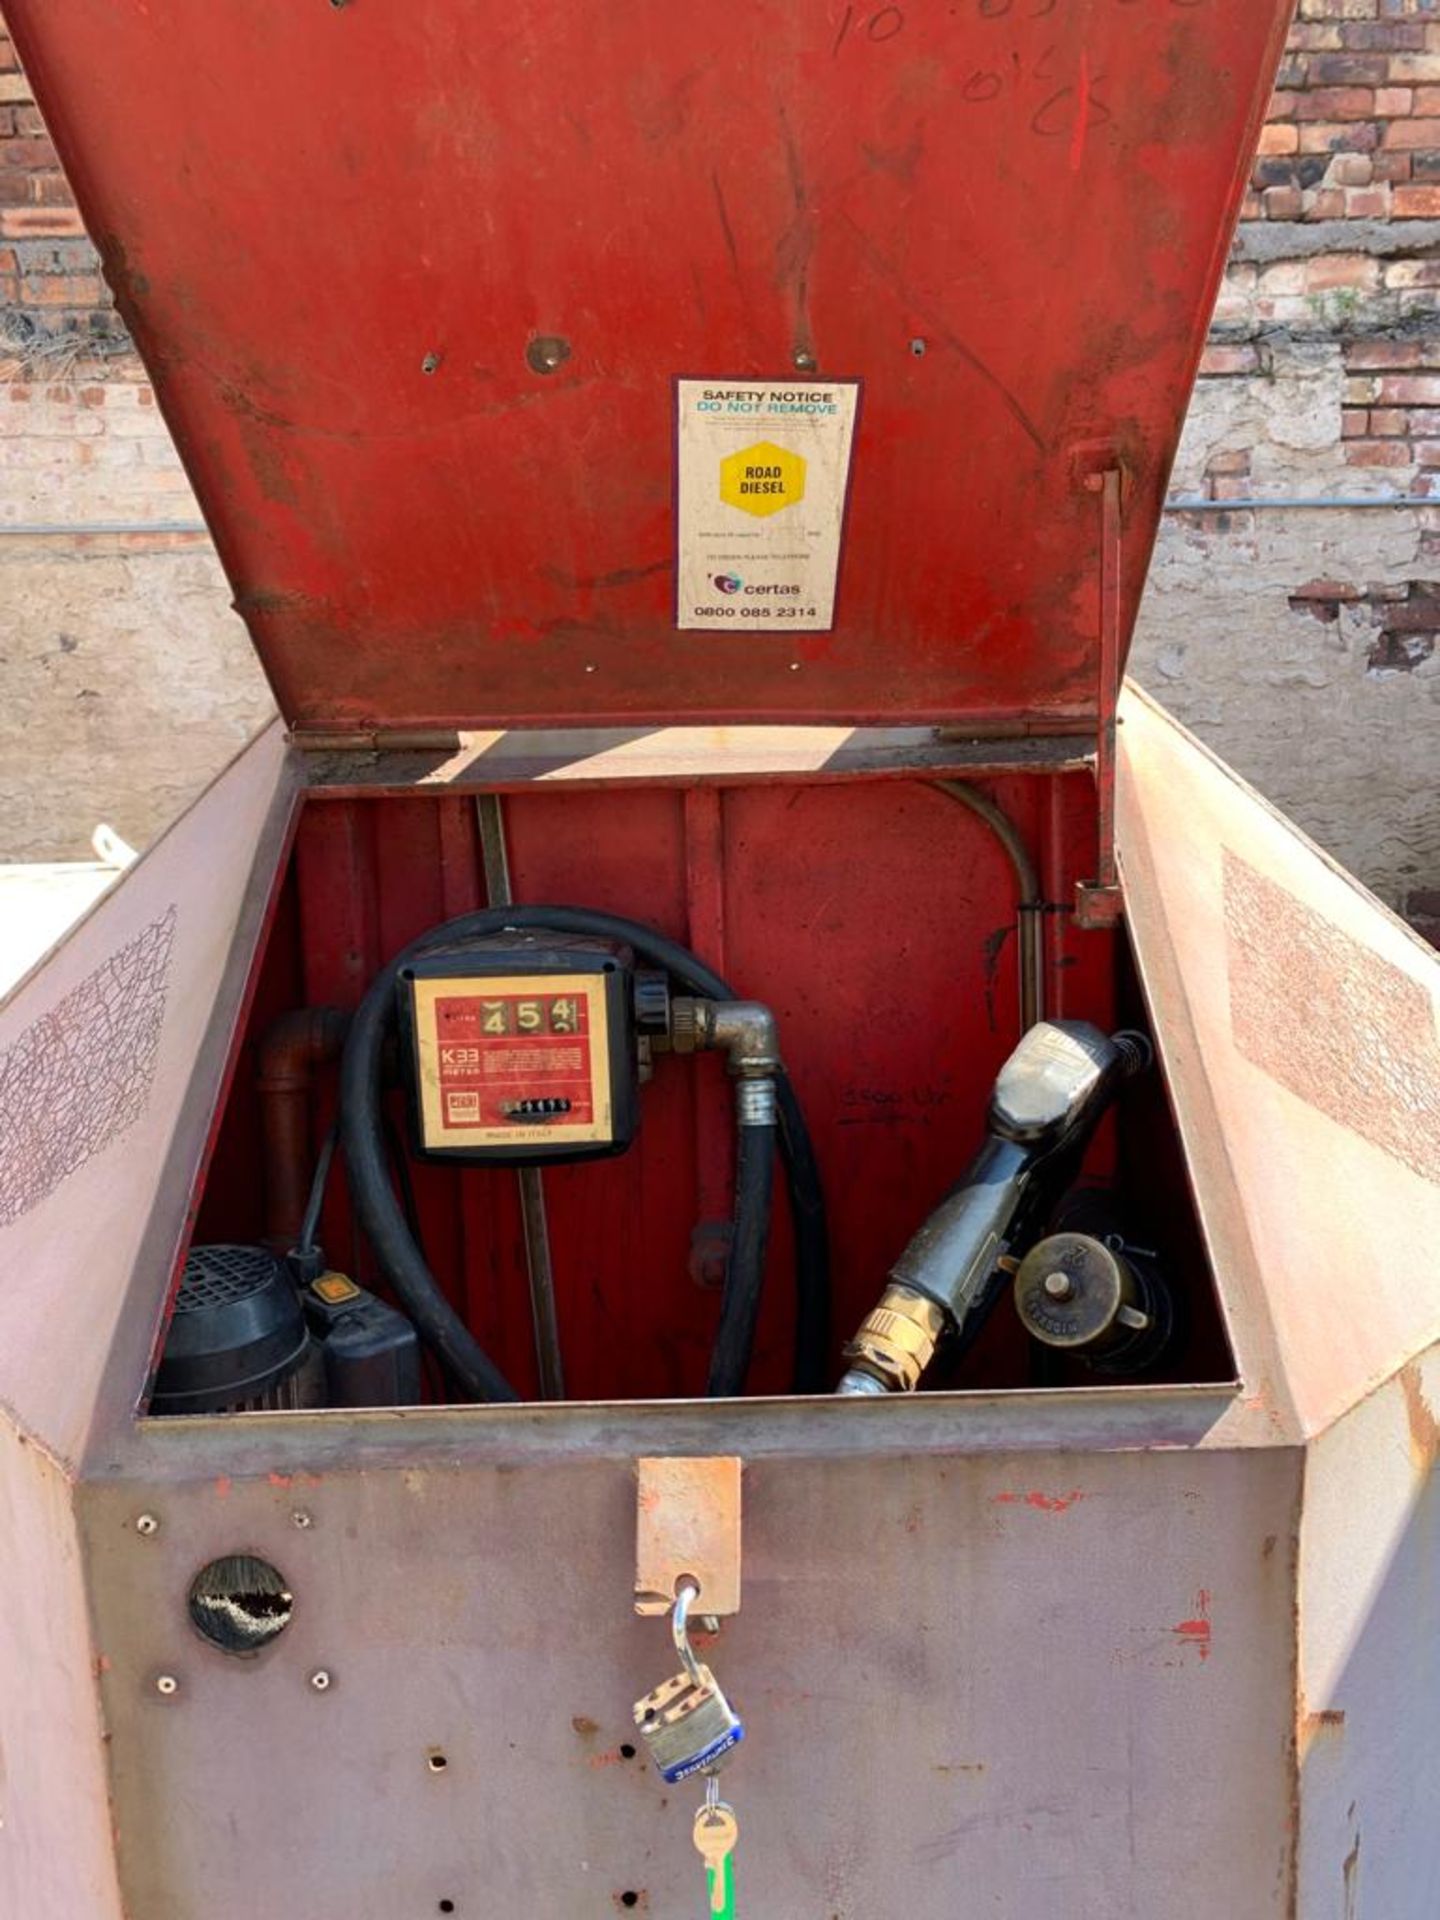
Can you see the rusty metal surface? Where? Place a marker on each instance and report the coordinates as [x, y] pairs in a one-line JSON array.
[[1299, 1024], [105, 1118], [340, 232], [688, 1521], [56, 1846], [1063, 1682]]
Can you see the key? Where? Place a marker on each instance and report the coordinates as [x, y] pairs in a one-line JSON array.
[[716, 1831]]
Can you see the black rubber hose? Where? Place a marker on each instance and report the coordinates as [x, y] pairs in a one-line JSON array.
[[745, 1268], [380, 1215]]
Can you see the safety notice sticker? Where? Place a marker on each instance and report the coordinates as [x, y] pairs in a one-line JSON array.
[[764, 469]]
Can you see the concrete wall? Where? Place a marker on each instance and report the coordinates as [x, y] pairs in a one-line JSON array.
[[1300, 644]]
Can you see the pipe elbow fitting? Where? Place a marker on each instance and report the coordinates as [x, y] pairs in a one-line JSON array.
[[295, 1044], [747, 1034]]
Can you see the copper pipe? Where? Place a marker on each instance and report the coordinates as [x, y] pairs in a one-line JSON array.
[[291, 1049]]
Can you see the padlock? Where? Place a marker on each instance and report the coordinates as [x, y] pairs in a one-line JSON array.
[[688, 1724]]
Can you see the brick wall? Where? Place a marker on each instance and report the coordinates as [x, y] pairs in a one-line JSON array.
[[1304, 645]]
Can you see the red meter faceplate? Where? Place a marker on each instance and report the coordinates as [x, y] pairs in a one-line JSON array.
[[513, 1059], [521, 1050]]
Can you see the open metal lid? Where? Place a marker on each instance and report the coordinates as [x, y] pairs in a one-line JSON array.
[[416, 285]]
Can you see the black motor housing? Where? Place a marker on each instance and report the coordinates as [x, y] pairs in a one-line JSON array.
[[238, 1341]]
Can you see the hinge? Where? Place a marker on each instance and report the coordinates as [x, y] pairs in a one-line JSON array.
[[1098, 902], [376, 740]]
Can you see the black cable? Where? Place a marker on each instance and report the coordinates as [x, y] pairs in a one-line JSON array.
[[310, 1225], [380, 1215]]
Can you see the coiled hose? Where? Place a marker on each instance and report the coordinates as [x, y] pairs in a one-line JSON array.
[[382, 1218]]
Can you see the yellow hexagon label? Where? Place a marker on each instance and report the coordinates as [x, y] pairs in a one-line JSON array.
[[762, 479]]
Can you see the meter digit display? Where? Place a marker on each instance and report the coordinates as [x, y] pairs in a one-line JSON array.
[[502, 1062]]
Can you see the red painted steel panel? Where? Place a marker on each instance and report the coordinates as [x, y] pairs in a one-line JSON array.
[[336, 228]]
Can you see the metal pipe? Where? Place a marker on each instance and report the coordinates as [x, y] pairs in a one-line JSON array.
[[539, 1264], [1347, 503], [1030, 909], [62, 529], [1342, 503], [291, 1048]]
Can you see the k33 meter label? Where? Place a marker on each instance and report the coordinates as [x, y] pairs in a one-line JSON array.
[[764, 469]]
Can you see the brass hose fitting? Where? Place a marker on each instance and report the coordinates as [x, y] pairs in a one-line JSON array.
[[896, 1341]]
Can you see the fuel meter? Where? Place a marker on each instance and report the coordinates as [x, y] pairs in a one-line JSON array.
[[521, 1048]]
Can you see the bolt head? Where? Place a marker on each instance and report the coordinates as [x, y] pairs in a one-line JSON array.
[[1059, 1286], [147, 1524], [320, 1680], [166, 1684], [301, 1519]]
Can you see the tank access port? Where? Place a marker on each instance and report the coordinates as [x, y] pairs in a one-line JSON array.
[[1098, 1299], [1046, 1104]]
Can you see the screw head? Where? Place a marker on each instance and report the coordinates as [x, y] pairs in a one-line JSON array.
[[301, 1519], [166, 1684], [320, 1680], [1059, 1286], [804, 360], [147, 1524]]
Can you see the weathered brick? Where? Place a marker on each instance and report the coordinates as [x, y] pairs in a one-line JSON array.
[[1219, 362], [1338, 9], [38, 222], [1393, 102], [1350, 170], [1354, 423], [1389, 423], [1378, 453], [1415, 203], [1348, 70], [1277, 137], [1334, 103], [1412, 273], [1328, 136], [1327, 271], [1410, 390], [1283, 203], [1325, 203], [1415, 132], [1382, 355]]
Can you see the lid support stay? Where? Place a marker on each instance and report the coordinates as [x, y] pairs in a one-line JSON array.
[[1098, 902]]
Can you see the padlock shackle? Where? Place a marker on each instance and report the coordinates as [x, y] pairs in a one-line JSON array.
[[686, 1594]]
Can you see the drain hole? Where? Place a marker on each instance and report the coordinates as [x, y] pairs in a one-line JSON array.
[[447, 1906], [240, 1603], [629, 1899], [627, 1752], [436, 1762]]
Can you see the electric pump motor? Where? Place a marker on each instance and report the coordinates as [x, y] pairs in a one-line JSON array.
[[238, 1340], [521, 1048]]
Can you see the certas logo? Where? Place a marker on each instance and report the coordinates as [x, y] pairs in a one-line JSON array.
[[729, 582]]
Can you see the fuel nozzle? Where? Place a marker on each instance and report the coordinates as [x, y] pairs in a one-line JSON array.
[[1045, 1106]]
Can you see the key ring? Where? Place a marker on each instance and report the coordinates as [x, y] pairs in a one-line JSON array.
[[686, 1594]]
